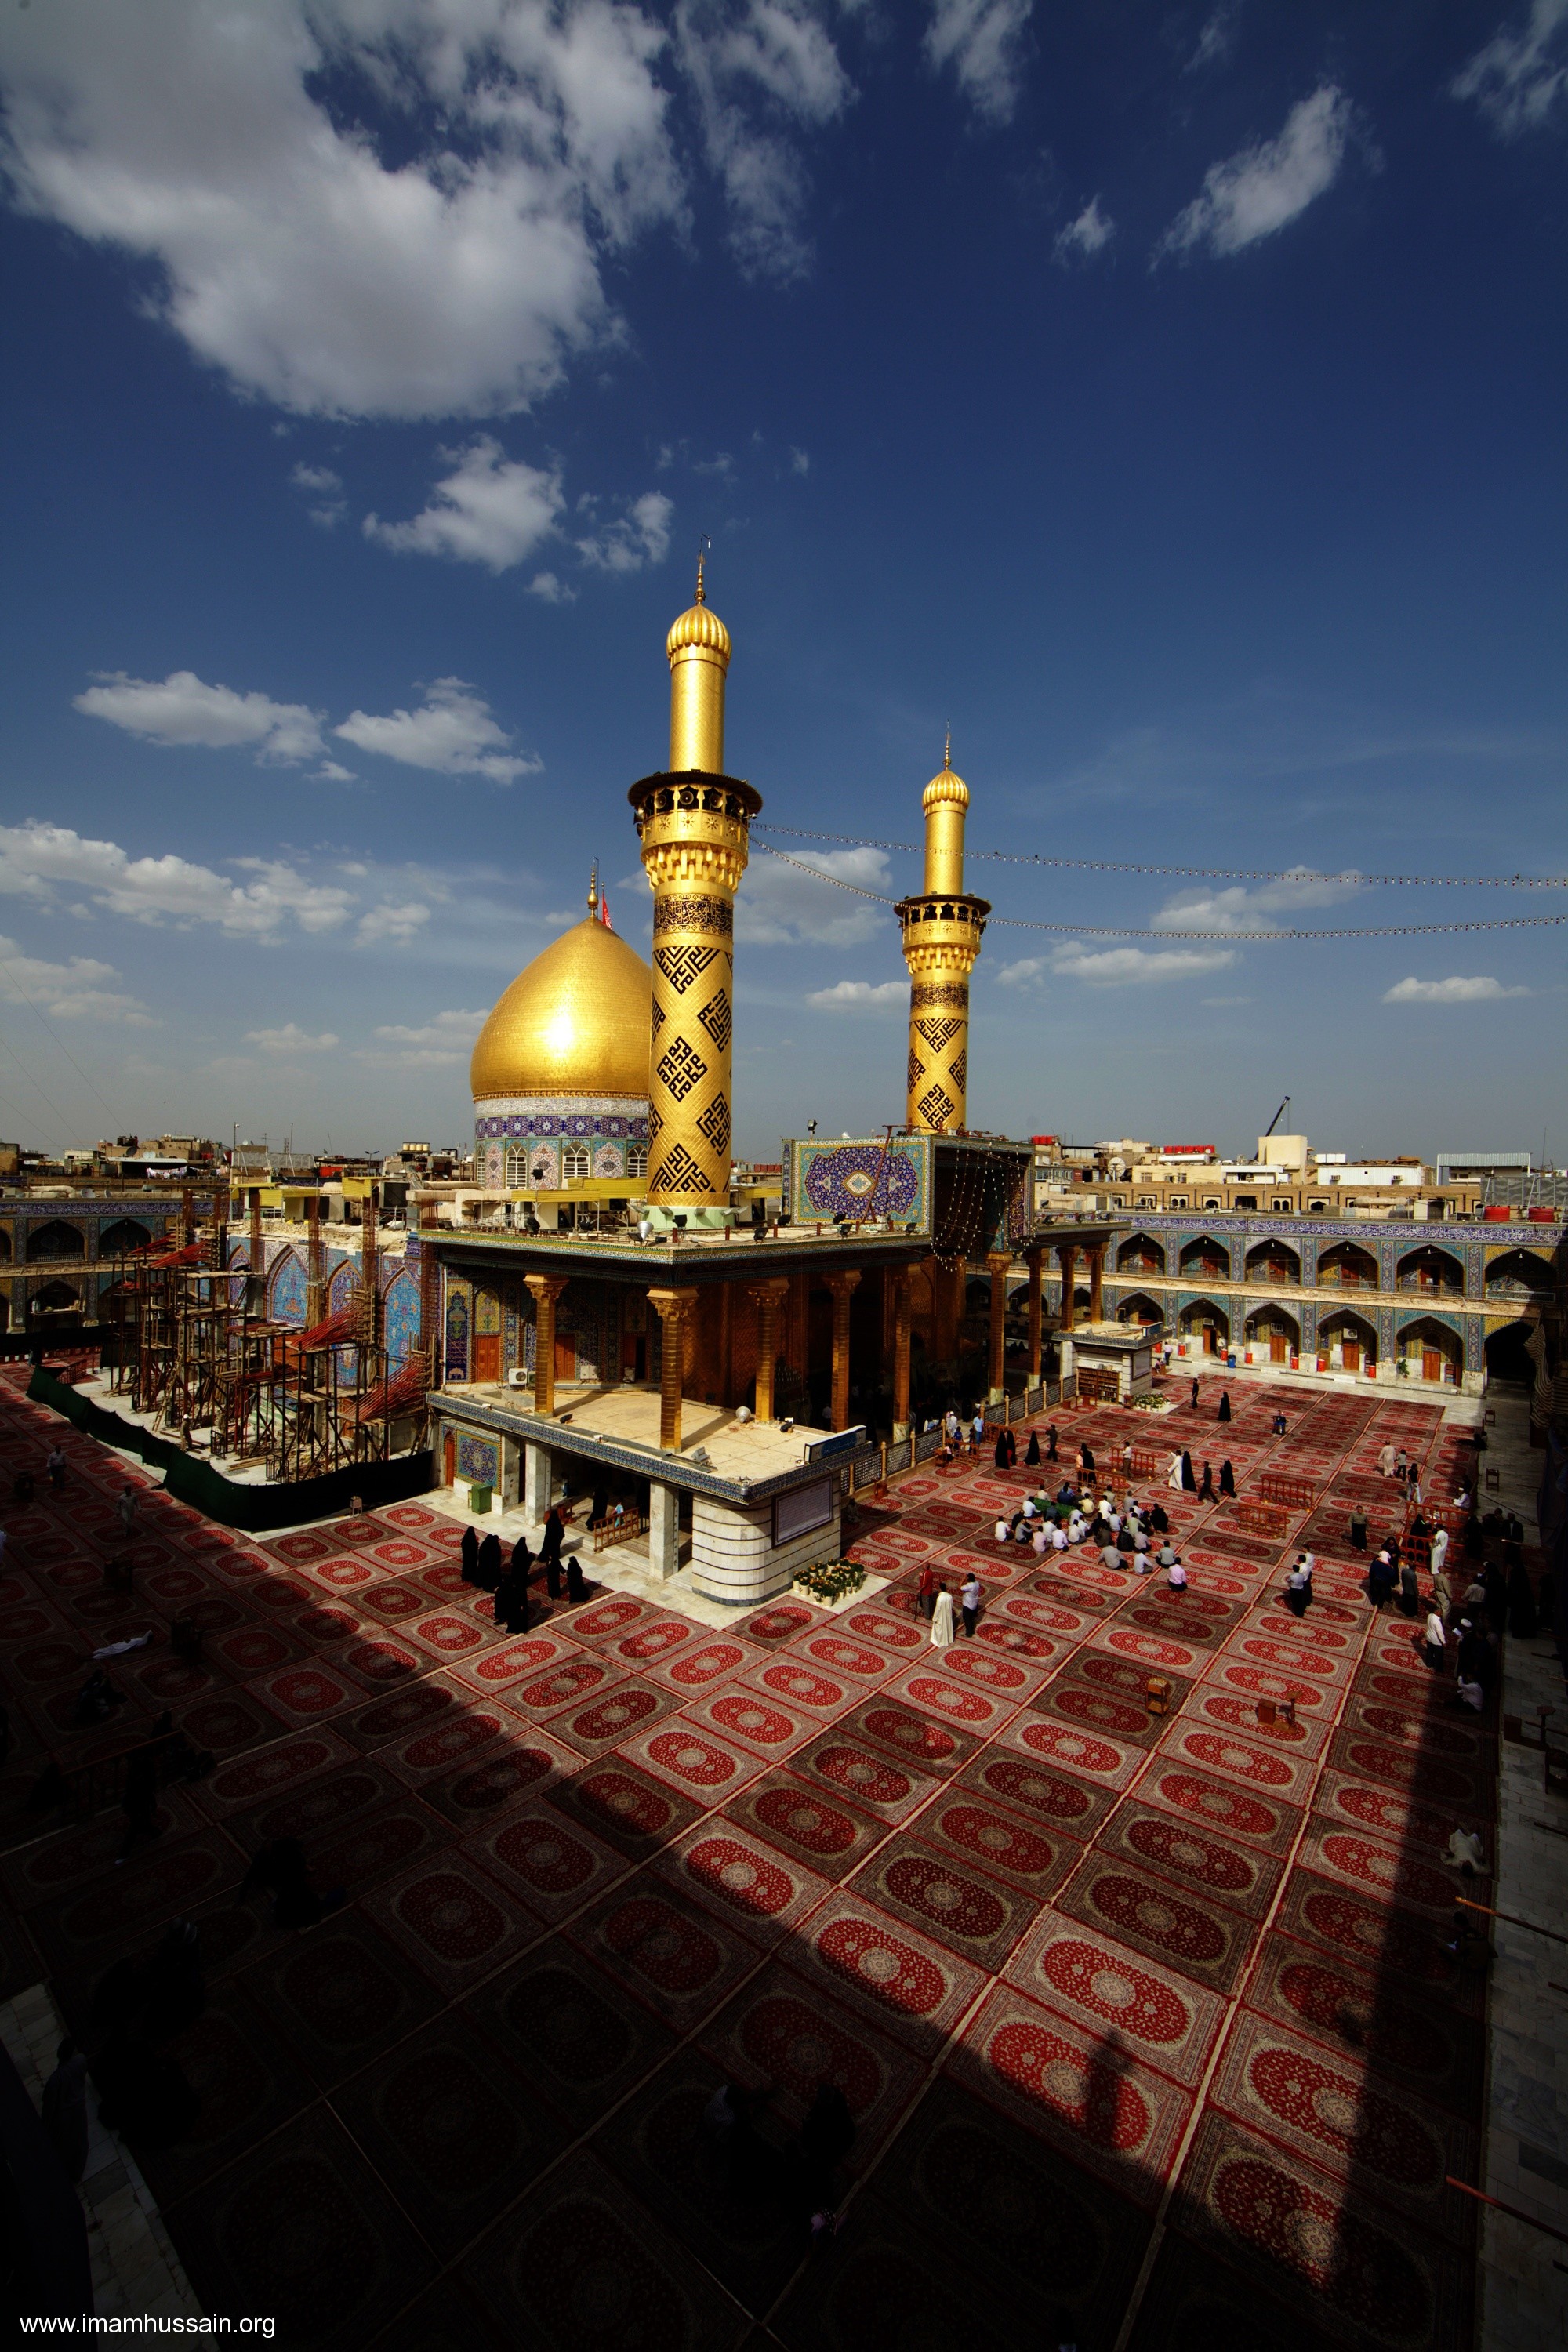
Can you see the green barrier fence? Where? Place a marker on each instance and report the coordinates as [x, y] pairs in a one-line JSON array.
[[254, 1508]]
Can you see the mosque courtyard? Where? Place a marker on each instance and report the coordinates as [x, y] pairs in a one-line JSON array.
[[1144, 2021]]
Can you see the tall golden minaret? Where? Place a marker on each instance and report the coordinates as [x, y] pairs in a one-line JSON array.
[[693, 823], [941, 931]]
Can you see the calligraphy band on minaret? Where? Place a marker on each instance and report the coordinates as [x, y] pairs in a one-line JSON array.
[[693, 824]]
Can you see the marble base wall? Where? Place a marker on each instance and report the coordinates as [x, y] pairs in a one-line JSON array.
[[735, 1561]]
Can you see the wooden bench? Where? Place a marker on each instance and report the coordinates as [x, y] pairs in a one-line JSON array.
[[617, 1531]]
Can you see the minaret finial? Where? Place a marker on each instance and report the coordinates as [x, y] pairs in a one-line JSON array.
[[947, 750], [593, 889], [704, 548]]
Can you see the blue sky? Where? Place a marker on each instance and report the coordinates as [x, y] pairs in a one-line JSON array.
[[1168, 398]]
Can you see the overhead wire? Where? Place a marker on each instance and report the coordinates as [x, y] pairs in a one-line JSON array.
[[1236, 935], [1196, 873]]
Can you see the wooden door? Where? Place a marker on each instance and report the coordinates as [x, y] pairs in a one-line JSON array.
[[565, 1358], [1278, 1348], [1350, 1350], [487, 1356], [1431, 1364], [449, 1460]]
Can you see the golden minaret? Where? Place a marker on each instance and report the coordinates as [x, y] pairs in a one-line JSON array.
[[941, 931], [693, 824]]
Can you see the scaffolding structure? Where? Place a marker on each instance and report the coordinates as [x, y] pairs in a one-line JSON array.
[[199, 1357]]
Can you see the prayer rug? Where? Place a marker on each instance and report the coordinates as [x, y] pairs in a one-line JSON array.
[[1196, 2303], [1393, 1871], [581, 2267], [619, 1613], [341, 1995], [604, 1722], [321, 1806], [1108, 1671], [979, 1917], [1378, 2279], [383, 1663], [454, 2132], [740, 1880], [790, 1679], [1166, 1920], [715, 1660], [874, 1625], [1233, 1713], [1084, 1707], [1084, 2093], [455, 1738], [300, 2228], [511, 1664], [451, 1919], [653, 1640], [687, 1754], [248, 2081], [914, 1988], [523, 1764], [1423, 2045], [852, 1768], [247, 1780], [1256, 1682], [1358, 1928], [571, 2028], [841, 1654], [576, 1676], [1218, 1805], [306, 1694], [1086, 1975], [1261, 1770], [931, 1690], [671, 1953], [396, 1602], [751, 1719], [982, 1669], [636, 1814], [1156, 1654], [1346, 2117], [1417, 1829], [913, 1734], [1109, 1762], [94, 1923], [360, 1853], [814, 1824], [781, 2031], [1410, 1767], [1239, 1877], [552, 1869], [1004, 1844], [781, 1621]]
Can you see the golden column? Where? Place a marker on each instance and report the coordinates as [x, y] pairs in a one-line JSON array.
[[672, 1308], [767, 1298], [842, 1287], [901, 1280], [1067, 1252], [1096, 1280], [1035, 1259], [693, 821], [997, 1265], [941, 931], [546, 1288]]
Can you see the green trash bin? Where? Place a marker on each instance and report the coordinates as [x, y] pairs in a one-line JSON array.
[[481, 1498]]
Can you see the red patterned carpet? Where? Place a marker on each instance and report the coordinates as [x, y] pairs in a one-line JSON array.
[[1144, 2021]]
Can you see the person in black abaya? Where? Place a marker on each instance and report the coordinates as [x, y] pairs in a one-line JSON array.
[[1194, 1405], [1158, 1520], [1189, 1484], [1051, 1443], [1224, 1405], [470, 1549], [522, 1563], [1226, 1477], [1000, 1456], [488, 1573], [511, 1603], [577, 1590], [1521, 1611], [549, 1552], [1205, 1491], [1032, 1451]]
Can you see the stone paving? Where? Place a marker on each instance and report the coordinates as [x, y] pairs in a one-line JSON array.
[[1144, 2021]]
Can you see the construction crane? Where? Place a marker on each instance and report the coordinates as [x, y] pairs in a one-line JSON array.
[[1277, 1116]]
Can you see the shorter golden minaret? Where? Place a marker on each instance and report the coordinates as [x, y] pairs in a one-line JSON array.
[[941, 931]]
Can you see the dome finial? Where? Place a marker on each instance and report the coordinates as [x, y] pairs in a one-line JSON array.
[[704, 548], [947, 752], [593, 889]]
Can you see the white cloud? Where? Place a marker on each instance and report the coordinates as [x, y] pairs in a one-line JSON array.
[[763, 72], [37, 858], [1266, 187], [1265, 907], [1114, 967], [1453, 991], [457, 281], [438, 1044], [453, 733], [181, 711], [979, 39], [862, 995], [333, 771], [1520, 79], [398, 923], [68, 992], [321, 483], [491, 510], [1217, 38], [639, 536], [1089, 234], [778, 906], [290, 1039], [550, 589], [800, 461]]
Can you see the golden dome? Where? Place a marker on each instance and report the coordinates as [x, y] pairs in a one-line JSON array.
[[946, 789], [699, 626], [576, 1022]]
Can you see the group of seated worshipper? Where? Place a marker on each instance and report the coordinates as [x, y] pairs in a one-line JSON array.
[[1127, 1535]]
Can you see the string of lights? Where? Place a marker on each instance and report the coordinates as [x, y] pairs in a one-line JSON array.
[[1197, 873], [1236, 935]]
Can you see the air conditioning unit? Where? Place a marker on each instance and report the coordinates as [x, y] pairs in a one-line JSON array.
[[519, 1379]]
